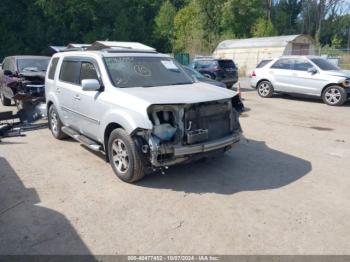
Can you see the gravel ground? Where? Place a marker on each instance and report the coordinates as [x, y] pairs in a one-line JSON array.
[[283, 190]]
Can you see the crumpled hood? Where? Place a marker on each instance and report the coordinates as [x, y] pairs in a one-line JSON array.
[[180, 94], [341, 73]]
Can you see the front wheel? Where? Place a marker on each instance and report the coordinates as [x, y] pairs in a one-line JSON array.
[[125, 157], [334, 96], [265, 89]]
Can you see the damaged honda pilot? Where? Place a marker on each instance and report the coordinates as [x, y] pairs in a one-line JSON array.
[[139, 108]]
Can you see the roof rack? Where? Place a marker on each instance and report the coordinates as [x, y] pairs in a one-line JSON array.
[[107, 46]]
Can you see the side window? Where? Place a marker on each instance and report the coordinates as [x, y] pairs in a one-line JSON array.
[[88, 71], [206, 64], [5, 64], [12, 65], [70, 71], [283, 63], [52, 68], [301, 65]]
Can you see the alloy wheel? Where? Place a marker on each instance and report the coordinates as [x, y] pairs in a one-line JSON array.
[[54, 122], [264, 89], [333, 96], [120, 156]]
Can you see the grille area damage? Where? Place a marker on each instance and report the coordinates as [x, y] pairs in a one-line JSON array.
[[191, 131]]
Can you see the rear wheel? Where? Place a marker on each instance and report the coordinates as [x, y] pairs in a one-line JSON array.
[[334, 96], [55, 123], [265, 89], [4, 100], [125, 157]]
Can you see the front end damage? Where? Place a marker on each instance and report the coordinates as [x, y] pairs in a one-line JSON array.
[[186, 132], [28, 91]]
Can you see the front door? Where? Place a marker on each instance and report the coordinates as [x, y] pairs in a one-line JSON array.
[[87, 103], [305, 82]]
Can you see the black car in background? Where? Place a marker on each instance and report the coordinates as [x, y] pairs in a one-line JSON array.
[[22, 78], [195, 75], [223, 70]]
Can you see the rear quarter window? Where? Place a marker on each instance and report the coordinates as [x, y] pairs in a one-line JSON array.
[[263, 63], [70, 71], [52, 69]]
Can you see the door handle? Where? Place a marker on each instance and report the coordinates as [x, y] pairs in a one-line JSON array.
[[77, 97], [58, 90]]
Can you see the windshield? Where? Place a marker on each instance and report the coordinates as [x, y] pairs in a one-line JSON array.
[[324, 64], [191, 72], [128, 72], [33, 65]]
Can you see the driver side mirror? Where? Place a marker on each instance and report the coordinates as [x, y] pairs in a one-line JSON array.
[[312, 70], [90, 85], [8, 73]]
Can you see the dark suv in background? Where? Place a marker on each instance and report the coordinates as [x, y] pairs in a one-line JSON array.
[[223, 70]]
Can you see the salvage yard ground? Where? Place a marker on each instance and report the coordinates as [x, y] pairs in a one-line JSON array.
[[285, 189]]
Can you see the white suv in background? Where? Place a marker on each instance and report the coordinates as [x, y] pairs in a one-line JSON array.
[[306, 75], [139, 108]]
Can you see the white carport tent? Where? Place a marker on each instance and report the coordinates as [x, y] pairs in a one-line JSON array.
[[247, 53]]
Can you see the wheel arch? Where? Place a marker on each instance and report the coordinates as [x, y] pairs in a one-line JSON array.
[[108, 130], [332, 84], [262, 81]]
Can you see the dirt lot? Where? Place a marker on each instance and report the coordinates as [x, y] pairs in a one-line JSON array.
[[285, 189]]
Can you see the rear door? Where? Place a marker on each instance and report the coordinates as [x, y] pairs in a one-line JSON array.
[[282, 75], [68, 87]]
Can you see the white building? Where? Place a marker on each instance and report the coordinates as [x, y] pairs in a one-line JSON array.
[[247, 53]]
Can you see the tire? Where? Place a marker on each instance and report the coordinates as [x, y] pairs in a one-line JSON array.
[[265, 89], [55, 124], [4, 100], [209, 76], [334, 96], [124, 156]]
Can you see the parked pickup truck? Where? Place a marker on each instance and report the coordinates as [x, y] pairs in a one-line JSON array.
[[138, 107]]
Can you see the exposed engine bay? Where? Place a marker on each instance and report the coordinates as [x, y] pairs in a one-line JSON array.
[[183, 131]]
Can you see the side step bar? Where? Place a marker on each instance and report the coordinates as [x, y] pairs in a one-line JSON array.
[[82, 139]]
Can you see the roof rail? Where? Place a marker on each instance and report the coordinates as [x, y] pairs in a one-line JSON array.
[[127, 50]]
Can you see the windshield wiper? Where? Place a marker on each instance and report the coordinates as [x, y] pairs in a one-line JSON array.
[[184, 83]]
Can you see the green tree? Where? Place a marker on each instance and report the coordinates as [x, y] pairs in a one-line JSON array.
[[187, 30], [239, 16], [263, 27], [164, 25]]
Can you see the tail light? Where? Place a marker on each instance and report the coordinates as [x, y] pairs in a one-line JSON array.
[[253, 74]]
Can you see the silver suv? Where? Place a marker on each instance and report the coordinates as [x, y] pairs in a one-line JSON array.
[[307, 75], [139, 108]]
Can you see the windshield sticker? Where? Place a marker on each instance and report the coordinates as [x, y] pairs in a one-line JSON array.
[[169, 65], [142, 70]]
